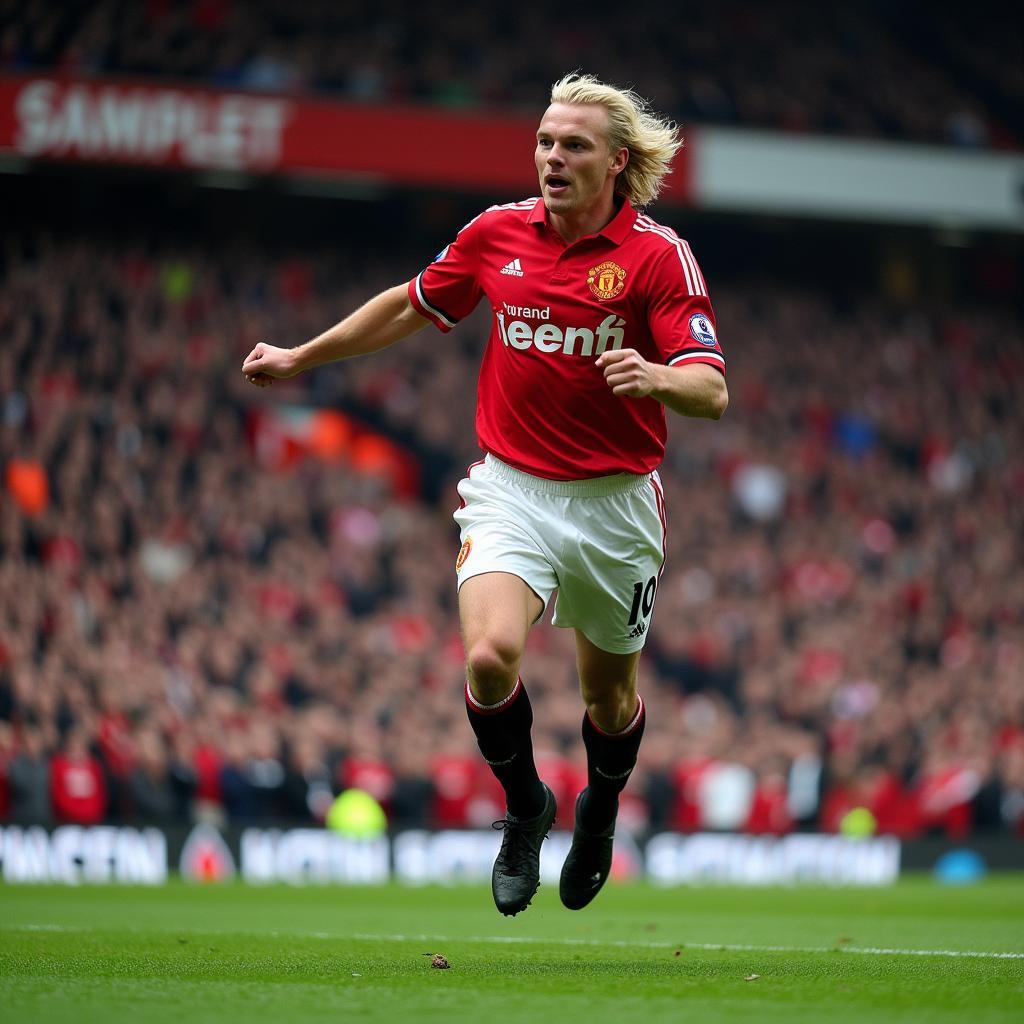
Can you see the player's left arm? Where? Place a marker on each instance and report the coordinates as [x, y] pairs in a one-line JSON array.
[[692, 389], [686, 371]]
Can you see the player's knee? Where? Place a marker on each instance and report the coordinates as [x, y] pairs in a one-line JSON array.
[[612, 708], [493, 668]]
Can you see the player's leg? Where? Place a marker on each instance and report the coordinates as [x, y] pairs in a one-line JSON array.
[[613, 725], [505, 578], [610, 583], [497, 610]]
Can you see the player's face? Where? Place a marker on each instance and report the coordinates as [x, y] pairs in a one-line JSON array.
[[576, 168]]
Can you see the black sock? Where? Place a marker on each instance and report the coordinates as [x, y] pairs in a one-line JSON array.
[[503, 735], [611, 758]]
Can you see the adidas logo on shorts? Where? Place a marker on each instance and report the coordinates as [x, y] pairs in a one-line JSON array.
[[638, 630], [513, 267]]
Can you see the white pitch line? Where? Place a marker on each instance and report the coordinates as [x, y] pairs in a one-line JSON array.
[[711, 947], [731, 947]]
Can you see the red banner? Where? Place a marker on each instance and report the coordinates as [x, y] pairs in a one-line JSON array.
[[143, 123]]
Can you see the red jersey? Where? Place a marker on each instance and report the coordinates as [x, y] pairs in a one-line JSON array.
[[77, 790], [542, 402]]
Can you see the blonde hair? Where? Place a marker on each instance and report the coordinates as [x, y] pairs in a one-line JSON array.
[[652, 141]]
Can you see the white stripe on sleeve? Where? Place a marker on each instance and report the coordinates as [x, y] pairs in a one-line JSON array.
[[426, 305], [683, 356]]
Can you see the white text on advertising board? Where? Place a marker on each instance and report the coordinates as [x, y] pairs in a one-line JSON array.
[[149, 125], [72, 854]]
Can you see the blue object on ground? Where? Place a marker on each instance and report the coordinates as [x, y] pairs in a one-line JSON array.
[[960, 867]]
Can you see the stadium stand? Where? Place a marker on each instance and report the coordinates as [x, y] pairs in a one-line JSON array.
[[906, 71], [228, 605], [210, 612]]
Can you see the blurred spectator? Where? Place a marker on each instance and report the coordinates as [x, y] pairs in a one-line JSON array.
[[307, 781], [265, 771], [27, 486], [237, 791], [150, 787], [1000, 804], [77, 790], [769, 808], [182, 775], [413, 791], [28, 775], [366, 768], [893, 809], [6, 754]]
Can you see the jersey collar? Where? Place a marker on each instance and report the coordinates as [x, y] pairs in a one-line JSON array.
[[616, 230]]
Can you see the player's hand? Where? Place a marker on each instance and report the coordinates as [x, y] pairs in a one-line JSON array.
[[627, 373], [265, 363]]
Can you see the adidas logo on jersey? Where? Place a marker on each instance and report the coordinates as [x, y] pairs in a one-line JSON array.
[[513, 267]]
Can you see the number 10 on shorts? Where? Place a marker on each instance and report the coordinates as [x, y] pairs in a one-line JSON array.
[[643, 597]]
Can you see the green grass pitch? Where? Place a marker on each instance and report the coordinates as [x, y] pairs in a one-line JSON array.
[[189, 954]]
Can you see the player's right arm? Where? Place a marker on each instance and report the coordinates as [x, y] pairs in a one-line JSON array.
[[385, 319]]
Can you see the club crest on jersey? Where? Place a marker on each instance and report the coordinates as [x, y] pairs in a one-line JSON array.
[[467, 546], [606, 280], [701, 329]]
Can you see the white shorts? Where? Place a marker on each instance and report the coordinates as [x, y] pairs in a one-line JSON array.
[[600, 543]]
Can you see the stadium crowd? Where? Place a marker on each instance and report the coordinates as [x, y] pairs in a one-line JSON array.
[[205, 614], [907, 71]]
